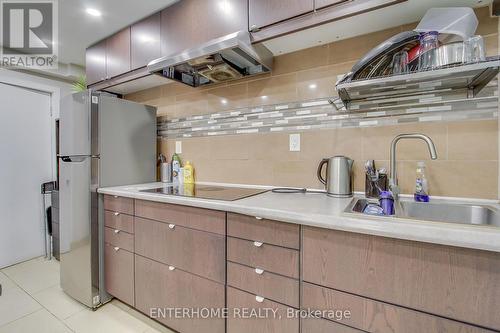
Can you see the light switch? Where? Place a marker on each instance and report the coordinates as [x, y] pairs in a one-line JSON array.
[[178, 147], [295, 142]]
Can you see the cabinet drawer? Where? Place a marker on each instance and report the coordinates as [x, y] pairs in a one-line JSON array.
[[268, 285], [196, 218], [452, 282], [262, 230], [119, 273], [119, 221], [118, 238], [270, 258], [374, 316], [238, 300], [319, 325], [119, 204], [158, 286], [195, 251]]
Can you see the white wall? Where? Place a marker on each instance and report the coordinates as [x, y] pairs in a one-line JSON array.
[[56, 89]]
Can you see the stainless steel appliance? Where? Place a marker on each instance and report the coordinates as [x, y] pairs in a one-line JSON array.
[[225, 193], [338, 182], [104, 141], [227, 58]]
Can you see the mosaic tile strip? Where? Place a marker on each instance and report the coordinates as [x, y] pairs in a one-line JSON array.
[[330, 113]]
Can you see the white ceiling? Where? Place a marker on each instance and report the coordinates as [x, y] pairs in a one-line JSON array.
[[403, 13], [78, 30]]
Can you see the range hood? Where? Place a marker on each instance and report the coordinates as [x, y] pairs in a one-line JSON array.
[[223, 59]]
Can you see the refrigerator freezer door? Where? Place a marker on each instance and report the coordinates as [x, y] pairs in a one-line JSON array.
[[76, 244], [75, 125]]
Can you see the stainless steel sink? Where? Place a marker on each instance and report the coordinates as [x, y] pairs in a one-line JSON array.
[[436, 211]]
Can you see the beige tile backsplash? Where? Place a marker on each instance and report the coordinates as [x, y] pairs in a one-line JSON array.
[[467, 164]]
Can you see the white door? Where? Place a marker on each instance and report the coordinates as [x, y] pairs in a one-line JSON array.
[[25, 163]]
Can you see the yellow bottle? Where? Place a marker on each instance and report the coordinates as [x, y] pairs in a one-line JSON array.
[[188, 173]]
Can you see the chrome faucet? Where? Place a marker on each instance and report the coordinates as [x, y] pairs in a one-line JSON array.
[[393, 179]]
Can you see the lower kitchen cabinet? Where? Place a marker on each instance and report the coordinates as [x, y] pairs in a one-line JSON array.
[[262, 316], [119, 273], [320, 325], [445, 281], [159, 286], [373, 316]]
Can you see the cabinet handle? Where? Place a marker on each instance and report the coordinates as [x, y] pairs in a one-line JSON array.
[[257, 244], [116, 248], [258, 218], [254, 28], [117, 231], [171, 268], [171, 226], [116, 213], [259, 299], [259, 271]]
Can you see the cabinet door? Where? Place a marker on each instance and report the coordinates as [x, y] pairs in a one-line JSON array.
[[160, 287], [266, 12], [145, 41], [318, 4], [118, 53], [95, 60], [189, 23], [119, 273], [281, 319]]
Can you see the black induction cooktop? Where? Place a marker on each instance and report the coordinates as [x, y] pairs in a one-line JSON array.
[[206, 191]]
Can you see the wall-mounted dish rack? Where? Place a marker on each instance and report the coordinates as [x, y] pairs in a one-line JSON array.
[[469, 77]]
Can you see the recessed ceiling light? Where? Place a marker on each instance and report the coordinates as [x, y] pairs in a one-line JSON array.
[[313, 86], [93, 12]]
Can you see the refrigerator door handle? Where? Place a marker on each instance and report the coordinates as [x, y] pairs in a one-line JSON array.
[[76, 158]]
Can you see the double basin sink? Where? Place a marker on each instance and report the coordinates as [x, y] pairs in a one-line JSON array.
[[435, 211]]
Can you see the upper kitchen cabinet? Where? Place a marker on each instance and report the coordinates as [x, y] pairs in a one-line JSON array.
[[263, 13], [189, 23], [118, 53], [273, 18], [145, 41], [319, 4], [95, 59]]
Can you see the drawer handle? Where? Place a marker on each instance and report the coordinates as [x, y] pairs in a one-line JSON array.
[[117, 231], [115, 196], [116, 248], [257, 244], [171, 226], [171, 268], [116, 213], [259, 299], [259, 271], [258, 218]]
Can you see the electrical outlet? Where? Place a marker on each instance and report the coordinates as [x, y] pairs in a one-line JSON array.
[[178, 147], [294, 142]]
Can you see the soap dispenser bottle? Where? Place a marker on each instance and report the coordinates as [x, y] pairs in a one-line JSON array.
[[421, 184]]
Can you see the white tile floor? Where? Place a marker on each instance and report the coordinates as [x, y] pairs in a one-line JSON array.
[[33, 301]]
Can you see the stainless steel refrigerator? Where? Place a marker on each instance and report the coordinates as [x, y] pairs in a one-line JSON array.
[[104, 141]]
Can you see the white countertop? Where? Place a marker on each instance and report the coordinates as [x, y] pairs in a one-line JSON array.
[[320, 210]]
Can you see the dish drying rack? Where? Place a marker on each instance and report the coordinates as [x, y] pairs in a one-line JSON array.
[[469, 77]]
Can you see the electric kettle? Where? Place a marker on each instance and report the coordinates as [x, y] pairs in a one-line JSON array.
[[338, 182]]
